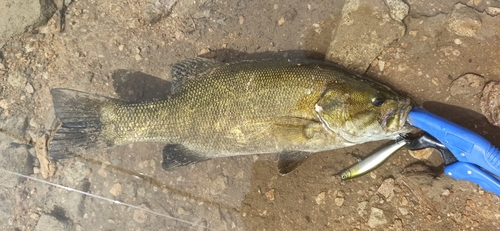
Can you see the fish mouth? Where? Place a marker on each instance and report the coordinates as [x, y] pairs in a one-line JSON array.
[[395, 120]]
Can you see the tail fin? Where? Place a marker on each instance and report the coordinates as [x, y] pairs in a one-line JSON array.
[[81, 129]]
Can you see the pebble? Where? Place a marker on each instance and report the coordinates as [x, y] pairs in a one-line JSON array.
[[467, 85], [339, 201], [88, 76], [398, 9], [140, 216], [219, 185], [404, 201], [361, 207], [320, 199], [116, 189], [398, 225], [464, 21], [76, 172], [493, 11], [387, 189], [490, 102], [16, 79], [270, 194], [422, 154], [29, 88], [377, 218], [281, 21], [403, 211]]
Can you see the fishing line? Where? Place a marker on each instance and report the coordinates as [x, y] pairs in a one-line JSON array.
[[105, 199]]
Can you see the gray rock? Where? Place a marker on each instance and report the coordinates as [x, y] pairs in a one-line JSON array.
[[154, 11], [15, 158], [88, 77], [419, 7], [76, 173], [359, 39], [467, 85], [377, 218], [16, 79], [48, 222], [5, 206], [19, 15], [464, 21]]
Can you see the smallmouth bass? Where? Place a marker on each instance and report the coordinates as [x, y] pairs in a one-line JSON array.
[[228, 109]]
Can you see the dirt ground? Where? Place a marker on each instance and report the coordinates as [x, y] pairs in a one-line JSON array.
[[123, 49]]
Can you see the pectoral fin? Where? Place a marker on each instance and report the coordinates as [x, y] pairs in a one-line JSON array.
[[288, 161], [175, 155]]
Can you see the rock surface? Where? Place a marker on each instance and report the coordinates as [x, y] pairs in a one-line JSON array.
[[16, 16], [378, 24], [467, 85], [490, 102]]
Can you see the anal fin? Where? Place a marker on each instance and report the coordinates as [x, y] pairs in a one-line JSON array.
[[288, 161], [175, 155]]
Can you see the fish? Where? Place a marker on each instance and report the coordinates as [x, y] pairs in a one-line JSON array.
[[215, 109]]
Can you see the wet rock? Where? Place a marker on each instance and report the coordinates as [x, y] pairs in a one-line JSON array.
[[19, 15], [490, 102], [48, 222], [359, 39], [467, 85], [464, 21], [377, 218]]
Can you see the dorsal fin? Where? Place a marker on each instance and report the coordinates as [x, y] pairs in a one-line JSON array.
[[190, 69]]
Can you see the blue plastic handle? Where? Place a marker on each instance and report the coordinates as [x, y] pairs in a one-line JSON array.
[[472, 173], [466, 145]]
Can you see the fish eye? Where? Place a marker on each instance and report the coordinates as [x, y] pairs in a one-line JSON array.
[[377, 101]]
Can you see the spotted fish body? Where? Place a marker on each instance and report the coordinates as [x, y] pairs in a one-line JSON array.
[[247, 107]]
